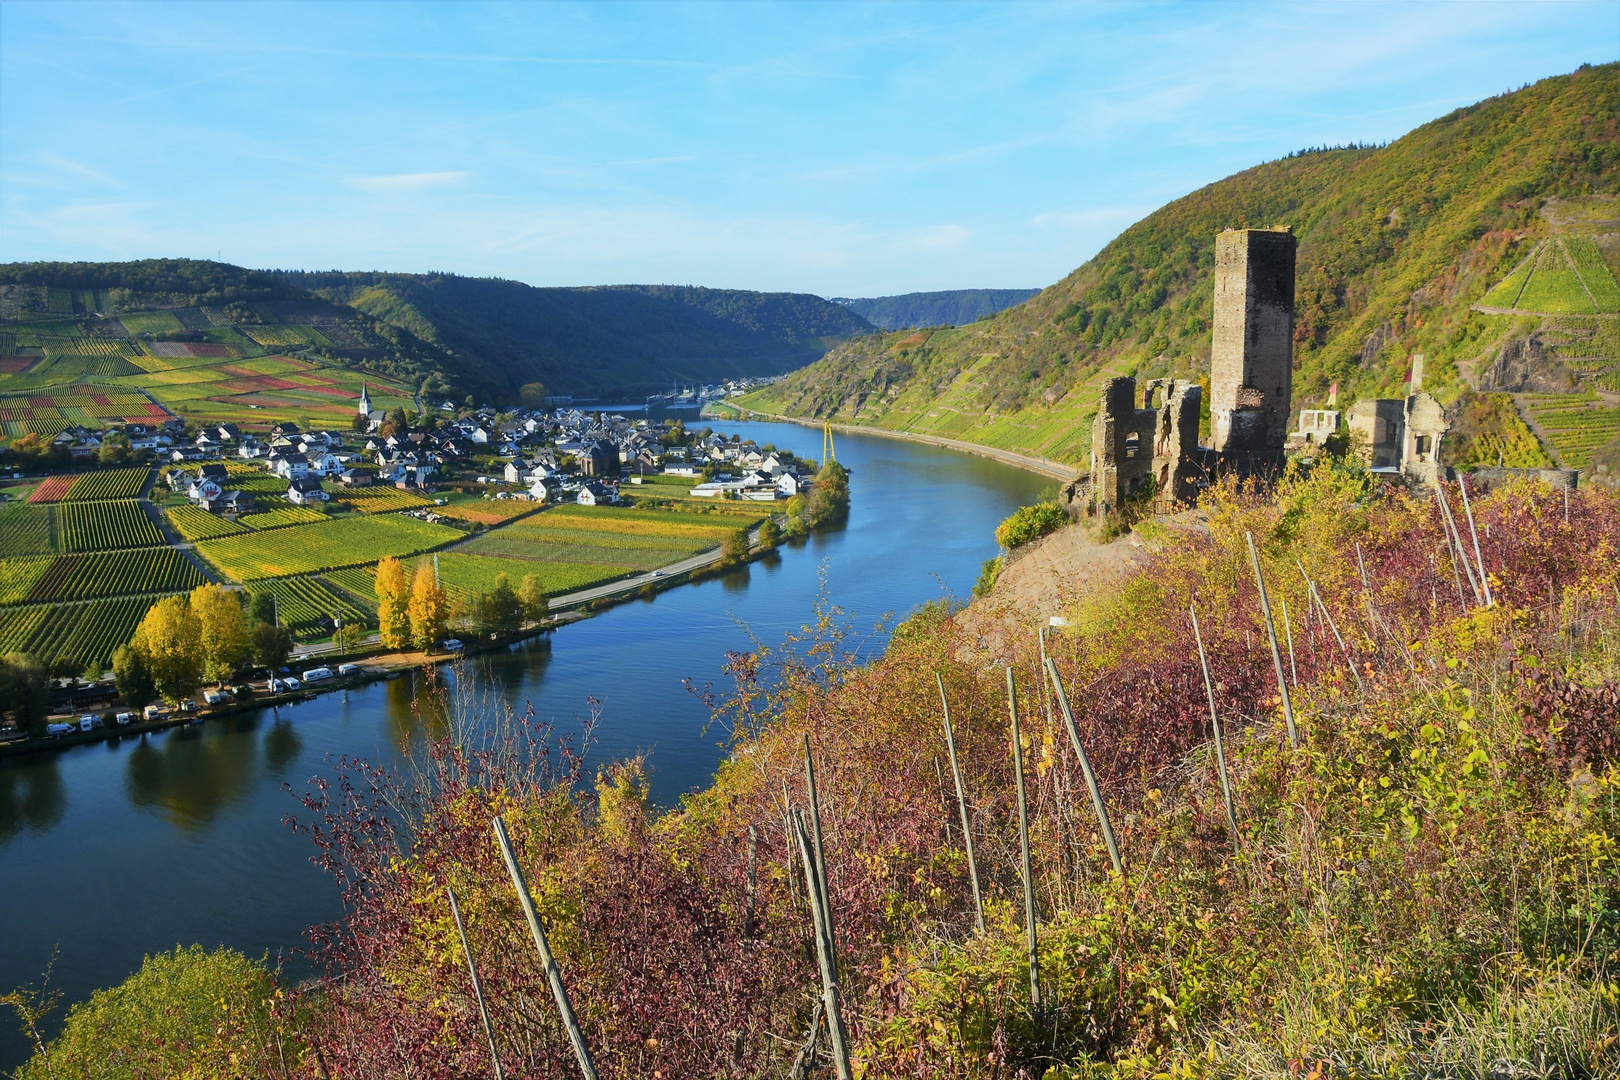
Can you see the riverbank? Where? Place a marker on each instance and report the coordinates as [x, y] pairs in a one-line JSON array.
[[1058, 470], [378, 666]]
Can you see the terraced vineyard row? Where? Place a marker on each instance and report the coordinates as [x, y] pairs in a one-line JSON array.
[[280, 517], [88, 633], [109, 484], [1575, 432], [104, 526], [195, 523]]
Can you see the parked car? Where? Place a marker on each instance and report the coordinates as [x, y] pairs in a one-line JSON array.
[[453, 645], [89, 722], [348, 669], [291, 683], [56, 731], [276, 686], [318, 674], [124, 718]]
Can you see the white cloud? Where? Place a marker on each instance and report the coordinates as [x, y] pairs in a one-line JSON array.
[[404, 181]]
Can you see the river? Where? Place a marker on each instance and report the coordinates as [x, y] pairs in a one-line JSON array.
[[115, 850]]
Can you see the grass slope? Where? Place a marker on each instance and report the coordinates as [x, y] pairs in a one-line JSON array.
[[1395, 246]]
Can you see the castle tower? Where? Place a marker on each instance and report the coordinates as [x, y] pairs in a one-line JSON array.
[[1252, 357], [365, 401]]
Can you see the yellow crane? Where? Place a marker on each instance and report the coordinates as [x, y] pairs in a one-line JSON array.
[[827, 452]]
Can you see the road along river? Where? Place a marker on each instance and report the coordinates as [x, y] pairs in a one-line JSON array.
[[114, 850]]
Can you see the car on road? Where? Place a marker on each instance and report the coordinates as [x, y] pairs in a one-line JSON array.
[[658, 573]]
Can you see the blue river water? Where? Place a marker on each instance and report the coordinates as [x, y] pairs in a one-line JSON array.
[[112, 851]]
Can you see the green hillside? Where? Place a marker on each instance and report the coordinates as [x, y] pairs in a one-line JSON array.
[[952, 307], [1396, 245], [450, 335]]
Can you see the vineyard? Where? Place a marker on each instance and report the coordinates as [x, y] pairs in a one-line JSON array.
[[380, 500], [195, 523], [564, 545], [51, 489], [115, 573], [88, 633], [19, 575], [302, 549], [488, 511], [108, 484], [1575, 426], [465, 575], [104, 526], [25, 529], [281, 516], [1564, 275], [302, 602]]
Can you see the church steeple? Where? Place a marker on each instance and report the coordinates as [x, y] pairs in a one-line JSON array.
[[365, 401]]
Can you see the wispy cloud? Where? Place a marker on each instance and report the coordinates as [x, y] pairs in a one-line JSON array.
[[60, 162], [404, 181]]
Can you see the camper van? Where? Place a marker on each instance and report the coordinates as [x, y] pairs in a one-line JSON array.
[[318, 674]]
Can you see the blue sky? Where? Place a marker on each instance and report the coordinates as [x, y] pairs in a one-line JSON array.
[[842, 149]]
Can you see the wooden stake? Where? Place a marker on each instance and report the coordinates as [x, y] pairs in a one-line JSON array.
[[1276, 654], [961, 806], [821, 860], [1215, 726], [547, 961], [825, 953], [1327, 617], [1288, 631], [1484, 579], [1023, 848], [478, 989], [753, 881], [1459, 553], [1085, 770]]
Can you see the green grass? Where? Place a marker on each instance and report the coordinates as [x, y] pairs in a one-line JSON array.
[[151, 322], [303, 549], [470, 574]]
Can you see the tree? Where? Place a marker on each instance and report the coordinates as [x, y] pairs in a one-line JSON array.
[[533, 598], [502, 611], [734, 548], [169, 641], [533, 395], [393, 594], [271, 645], [66, 667], [134, 682], [225, 630], [770, 534], [428, 610], [25, 691], [262, 608]]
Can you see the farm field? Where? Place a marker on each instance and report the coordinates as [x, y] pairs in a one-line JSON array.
[[104, 526], [26, 529], [564, 545], [51, 489], [114, 573], [303, 549], [303, 601], [488, 511], [195, 523], [632, 521], [88, 633], [279, 517], [1575, 426], [466, 575], [109, 484], [376, 500]]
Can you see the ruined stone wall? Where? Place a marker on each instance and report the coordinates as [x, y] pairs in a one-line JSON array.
[[1132, 446], [1252, 355]]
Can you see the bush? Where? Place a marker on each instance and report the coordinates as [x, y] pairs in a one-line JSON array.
[[1029, 523]]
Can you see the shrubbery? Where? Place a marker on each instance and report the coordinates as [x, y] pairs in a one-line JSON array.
[[1029, 523]]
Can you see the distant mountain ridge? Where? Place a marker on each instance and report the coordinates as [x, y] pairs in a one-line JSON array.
[[1397, 244], [951, 307], [480, 336]]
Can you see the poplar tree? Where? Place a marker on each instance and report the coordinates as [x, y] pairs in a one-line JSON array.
[[393, 595], [224, 630], [169, 641], [428, 611]]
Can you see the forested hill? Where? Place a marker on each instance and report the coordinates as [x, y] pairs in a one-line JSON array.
[[479, 336], [596, 340], [1395, 246], [952, 307]]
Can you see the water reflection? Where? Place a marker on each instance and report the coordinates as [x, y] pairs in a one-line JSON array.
[[31, 797], [189, 774], [281, 747]]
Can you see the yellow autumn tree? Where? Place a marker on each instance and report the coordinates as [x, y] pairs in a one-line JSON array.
[[223, 627], [429, 609], [393, 596], [169, 642]]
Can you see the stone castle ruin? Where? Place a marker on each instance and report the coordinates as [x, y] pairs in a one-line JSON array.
[[1251, 386]]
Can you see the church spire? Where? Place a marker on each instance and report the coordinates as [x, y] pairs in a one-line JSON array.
[[365, 401]]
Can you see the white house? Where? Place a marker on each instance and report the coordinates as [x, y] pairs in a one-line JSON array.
[[597, 494], [303, 490]]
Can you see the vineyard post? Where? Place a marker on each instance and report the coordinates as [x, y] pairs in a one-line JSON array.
[[478, 989], [1031, 939], [1327, 617], [1484, 579], [1097, 803], [821, 858], [547, 961], [1276, 654], [753, 881], [1454, 538], [1215, 726], [961, 806], [1288, 632], [825, 956]]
